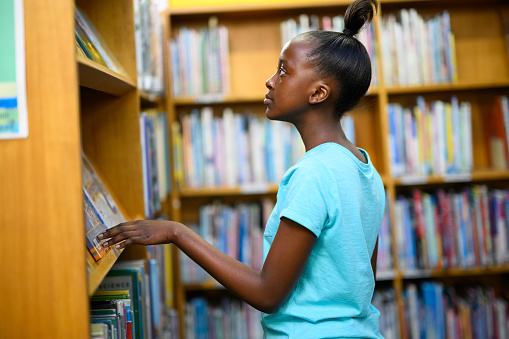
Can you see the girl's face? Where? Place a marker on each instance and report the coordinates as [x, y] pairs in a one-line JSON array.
[[290, 87]]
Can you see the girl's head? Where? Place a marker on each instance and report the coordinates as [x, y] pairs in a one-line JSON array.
[[336, 65]]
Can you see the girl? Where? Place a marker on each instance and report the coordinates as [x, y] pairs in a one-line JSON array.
[[320, 242]]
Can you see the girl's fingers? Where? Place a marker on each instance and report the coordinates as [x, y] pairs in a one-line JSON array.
[[124, 235], [112, 232]]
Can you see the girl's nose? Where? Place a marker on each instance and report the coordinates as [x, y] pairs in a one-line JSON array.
[[270, 83]]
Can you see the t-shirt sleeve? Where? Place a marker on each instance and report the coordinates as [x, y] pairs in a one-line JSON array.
[[308, 191]]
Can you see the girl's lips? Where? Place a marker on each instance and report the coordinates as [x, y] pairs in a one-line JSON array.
[[267, 100]]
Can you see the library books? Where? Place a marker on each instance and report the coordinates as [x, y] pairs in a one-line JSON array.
[[91, 44], [385, 262], [418, 50], [149, 42], [228, 318], [464, 228], [232, 149], [200, 65], [111, 315], [384, 299], [435, 310], [305, 23], [101, 211], [154, 137], [430, 138], [234, 230]]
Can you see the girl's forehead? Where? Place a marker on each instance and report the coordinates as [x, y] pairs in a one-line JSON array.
[[295, 51]]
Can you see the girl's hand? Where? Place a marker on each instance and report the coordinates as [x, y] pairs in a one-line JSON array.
[[142, 232]]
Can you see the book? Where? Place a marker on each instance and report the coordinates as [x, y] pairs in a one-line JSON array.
[[101, 210]]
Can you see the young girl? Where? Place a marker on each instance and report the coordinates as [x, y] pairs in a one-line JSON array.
[[320, 242]]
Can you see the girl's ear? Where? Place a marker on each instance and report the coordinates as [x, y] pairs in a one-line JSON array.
[[320, 93]]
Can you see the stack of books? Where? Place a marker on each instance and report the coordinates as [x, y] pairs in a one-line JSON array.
[[435, 310], [232, 149], [149, 46], [200, 64], [90, 44], [417, 50], [155, 160], [464, 228], [236, 231], [431, 138], [228, 318]]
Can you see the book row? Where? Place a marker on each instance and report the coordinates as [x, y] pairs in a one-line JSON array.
[[430, 138], [384, 299], [227, 318], [90, 44], [155, 156], [234, 230], [238, 231], [129, 303], [418, 50], [149, 46], [435, 310], [464, 228], [305, 23], [232, 149], [200, 63]]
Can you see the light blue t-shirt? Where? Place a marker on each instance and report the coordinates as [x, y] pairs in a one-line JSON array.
[[341, 200]]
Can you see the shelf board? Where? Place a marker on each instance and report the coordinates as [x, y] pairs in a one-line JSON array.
[[100, 78], [231, 99], [394, 90], [100, 268], [256, 7], [228, 191], [476, 176], [208, 285], [455, 272], [149, 99]]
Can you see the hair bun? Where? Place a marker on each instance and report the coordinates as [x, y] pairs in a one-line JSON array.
[[358, 14]]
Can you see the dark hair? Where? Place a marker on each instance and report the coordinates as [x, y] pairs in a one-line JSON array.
[[343, 57]]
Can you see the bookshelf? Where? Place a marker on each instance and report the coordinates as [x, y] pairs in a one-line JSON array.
[[482, 64], [73, 104]]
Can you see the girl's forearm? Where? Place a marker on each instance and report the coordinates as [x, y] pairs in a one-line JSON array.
[[241, 279]]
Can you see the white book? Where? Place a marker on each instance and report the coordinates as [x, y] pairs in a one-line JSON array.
[[230, 147], [338, 23], [413, 308], [467, 142], [277, 140], [206, 117], [304, 23], [224, 58], [256, 140]]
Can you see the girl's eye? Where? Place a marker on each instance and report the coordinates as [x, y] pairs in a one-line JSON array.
[[282, 70]]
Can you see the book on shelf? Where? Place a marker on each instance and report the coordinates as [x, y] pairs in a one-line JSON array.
[[149, 46], [418, 50], [116, 305], [232, 149], [385, 261], [200, 65], [234, 230], [154, 137], [431, 138], [384, 299], [462, 228], [101, 210], [92, 44], [228, 318], [436, 310]]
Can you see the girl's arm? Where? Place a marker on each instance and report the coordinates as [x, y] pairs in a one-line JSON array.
[[265, 290]]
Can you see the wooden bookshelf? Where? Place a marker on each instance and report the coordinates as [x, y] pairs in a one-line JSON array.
[[254, 37], [73, 104]]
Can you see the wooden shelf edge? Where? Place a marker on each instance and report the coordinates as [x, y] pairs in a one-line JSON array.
[[454, 272], [101, 268], [249, 7], [95, 76], [476, 176], [394, 90], [149, 99], [228, 191]]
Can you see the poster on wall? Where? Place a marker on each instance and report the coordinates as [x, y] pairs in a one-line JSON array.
[[13, 107]]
